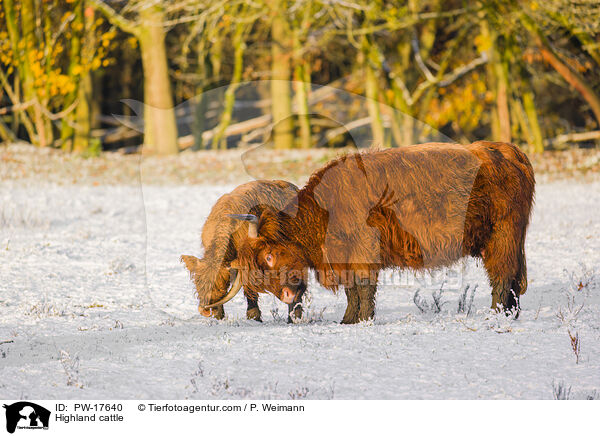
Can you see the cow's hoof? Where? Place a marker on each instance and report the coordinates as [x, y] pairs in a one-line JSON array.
[[254, 314], [216, 312], [349, 321], [293, 318], [298, 313], [220, 312], [509, 311]]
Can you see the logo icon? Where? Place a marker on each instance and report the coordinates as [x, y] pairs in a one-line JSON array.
[[26, 415]]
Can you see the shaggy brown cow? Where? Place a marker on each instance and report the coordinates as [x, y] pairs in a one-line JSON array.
[[419, 207], [222, 236]]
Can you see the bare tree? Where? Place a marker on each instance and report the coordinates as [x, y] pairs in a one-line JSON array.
[[160, 129]]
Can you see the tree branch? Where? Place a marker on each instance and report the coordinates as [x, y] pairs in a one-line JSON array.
[[571, 76], [411, 21], [451, 77], [417, 50], [573, 137], [115, 18], [461, 71]]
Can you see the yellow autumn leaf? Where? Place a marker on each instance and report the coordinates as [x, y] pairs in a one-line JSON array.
[[483, 43]]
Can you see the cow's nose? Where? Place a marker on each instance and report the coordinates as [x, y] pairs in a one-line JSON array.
[[205, 312], [287, 295]]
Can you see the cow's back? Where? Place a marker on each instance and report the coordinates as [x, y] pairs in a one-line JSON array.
[[427, 189], [249, 197]]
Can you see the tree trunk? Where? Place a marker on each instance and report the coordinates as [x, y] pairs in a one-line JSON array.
[[534, 125], [216, 57], [497, 83], [500, 76], [571, 76], [81, 139], [520, 123], [574, 79], [502, 104], [401, 120], [160, 129], [301, 85], [281, 100], [12, 27], [201, 99], [46, 11], [372, 94], [403, 124], [29, 90], [6, 134], [238, 63], [67, 130]]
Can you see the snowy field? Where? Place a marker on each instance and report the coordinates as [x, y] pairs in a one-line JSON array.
[[94, 304]]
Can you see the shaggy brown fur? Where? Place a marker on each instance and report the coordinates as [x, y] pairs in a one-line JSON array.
[[420, 207], [222, 236]]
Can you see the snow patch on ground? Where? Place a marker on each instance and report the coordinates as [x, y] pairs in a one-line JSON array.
[[94, 304]]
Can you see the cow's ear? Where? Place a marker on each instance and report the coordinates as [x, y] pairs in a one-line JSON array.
[[268, 224], [191, 263]]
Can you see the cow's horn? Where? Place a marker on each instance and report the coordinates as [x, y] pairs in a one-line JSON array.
[[252, 222], [235, 288]]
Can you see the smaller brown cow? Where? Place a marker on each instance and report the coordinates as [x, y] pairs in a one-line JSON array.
[[419, 207], [214, 275]]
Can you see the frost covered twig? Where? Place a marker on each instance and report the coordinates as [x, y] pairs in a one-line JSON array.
[[579, 285], [275, 314], [437, 300], [561, 391], [463, 305], [437, 304], [310, 314], [420, 302], [198, 374], [71, 367], [575, 345], [581, 281], [298, 393]]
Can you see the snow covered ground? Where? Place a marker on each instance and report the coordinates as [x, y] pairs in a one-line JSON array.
[[94, 304]]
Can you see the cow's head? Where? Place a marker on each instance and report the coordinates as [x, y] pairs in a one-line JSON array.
[[269, 260], [215, 284]]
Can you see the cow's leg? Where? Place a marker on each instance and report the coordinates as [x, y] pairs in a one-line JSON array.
[[504, 263], [294, 312], [351, 314], [253, 311], [218, 312], [295, 308], [366, 295], [519, 283]]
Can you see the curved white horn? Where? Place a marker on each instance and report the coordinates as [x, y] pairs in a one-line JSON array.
[[252, 222], [235, 288]]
